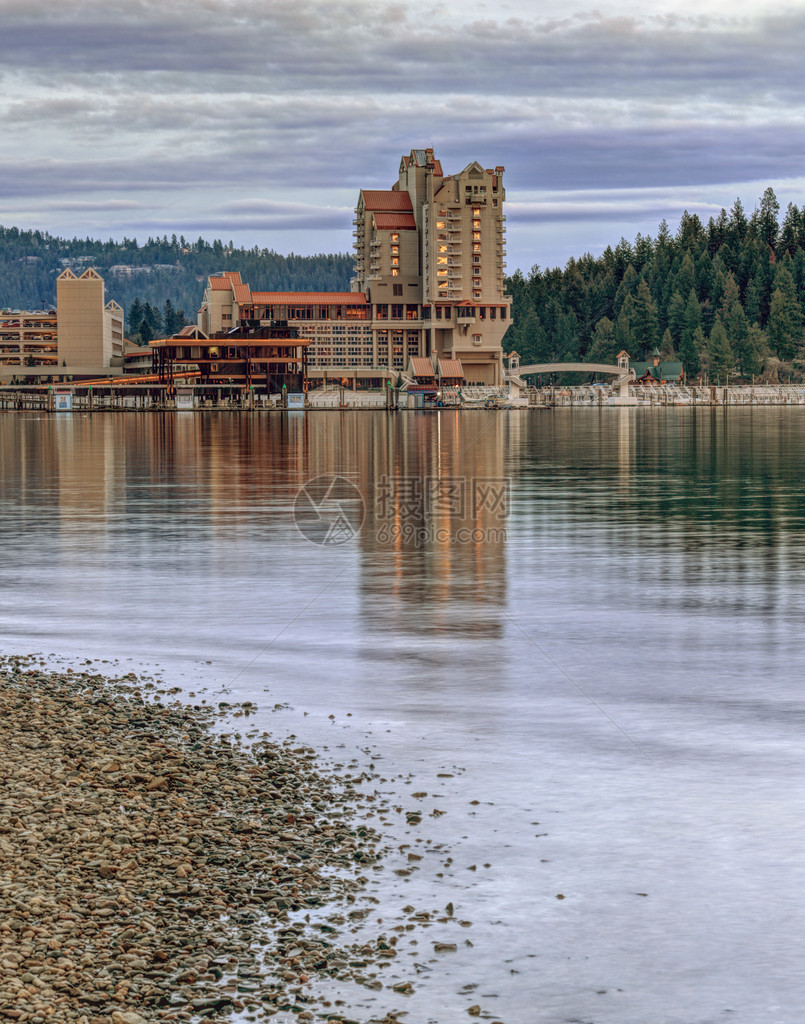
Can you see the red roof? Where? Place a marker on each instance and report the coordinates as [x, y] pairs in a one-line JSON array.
[[234, 274], [422, 366], [310, 298], [221, 284], [242, 293], [394, 221], [450, 368], [386, 200]]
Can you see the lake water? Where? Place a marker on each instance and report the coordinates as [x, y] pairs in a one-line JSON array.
[[579, 631]]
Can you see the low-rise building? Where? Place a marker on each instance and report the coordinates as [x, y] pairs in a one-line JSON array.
[[28, 339]]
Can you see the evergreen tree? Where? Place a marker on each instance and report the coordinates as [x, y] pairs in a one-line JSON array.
[[135, 316], [623, 327], [644, 320], [692, 345], [785, 317], [719, 352], [767, 218], [676, 318], [603, 348], [749, 351], [693, 321]]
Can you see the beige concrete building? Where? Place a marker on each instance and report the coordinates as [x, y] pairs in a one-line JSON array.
[[431, 251], [429, 280], [90, 329]]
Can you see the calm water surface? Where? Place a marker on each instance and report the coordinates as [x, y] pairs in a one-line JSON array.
[[580, 632]]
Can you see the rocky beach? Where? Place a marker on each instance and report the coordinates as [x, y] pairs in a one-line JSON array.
[[152, 869]]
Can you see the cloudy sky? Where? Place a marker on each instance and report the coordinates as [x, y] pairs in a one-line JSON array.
[[259, 120]]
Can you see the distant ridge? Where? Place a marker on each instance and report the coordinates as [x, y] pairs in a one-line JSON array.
[[160, 269]]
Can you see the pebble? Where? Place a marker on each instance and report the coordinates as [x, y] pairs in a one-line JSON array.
[[152, 869]]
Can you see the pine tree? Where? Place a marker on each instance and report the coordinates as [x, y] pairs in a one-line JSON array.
[[767, 218], [785, 316], [719, 352], [692, 345], [603, 348], [676, 318], [135, 316], [623, 327], [644, 320]]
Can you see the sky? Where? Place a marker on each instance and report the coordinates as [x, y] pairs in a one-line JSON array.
[[259, 120]]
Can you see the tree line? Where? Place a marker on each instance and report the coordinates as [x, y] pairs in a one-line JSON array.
[[727, 298], [177, 269]]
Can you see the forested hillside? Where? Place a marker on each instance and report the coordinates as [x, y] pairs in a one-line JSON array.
[[726, 297], [162, 270]]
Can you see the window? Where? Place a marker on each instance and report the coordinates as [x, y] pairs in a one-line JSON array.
[[397, 288], [397, 312], [441, 260], [476, 236], [476, 259], [442, 273], [395, 272], [492, 312], [477, 339], [440, 223], [395, 237], [442, 248], [476, 211], [395, 261]]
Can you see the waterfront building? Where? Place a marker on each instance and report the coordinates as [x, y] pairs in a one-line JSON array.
[[82, 336], [251, 355], [656, 371], [90, 330], [28, 339], [429, 283], [431, 251]]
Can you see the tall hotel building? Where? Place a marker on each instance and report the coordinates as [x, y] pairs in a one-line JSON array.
[[429, 280]]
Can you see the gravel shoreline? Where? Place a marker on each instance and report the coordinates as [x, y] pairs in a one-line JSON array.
[[152, 870]]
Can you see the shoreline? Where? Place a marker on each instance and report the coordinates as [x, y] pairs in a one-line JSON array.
[[151, 869]]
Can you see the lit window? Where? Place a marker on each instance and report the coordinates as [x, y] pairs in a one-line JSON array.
[[476, 236], [395, 272], [441, 259], [442, 248], [395, 262], [476, 248], [395, 237], [441, 273], [476, 211], [440, 223]]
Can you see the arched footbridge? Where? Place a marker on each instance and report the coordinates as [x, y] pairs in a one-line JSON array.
[[622, 372]]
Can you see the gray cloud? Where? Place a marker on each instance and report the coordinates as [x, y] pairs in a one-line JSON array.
[[248, 116]]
